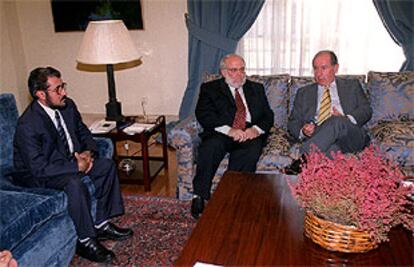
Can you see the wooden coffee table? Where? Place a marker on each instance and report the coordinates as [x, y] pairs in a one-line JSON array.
[[252, 219]]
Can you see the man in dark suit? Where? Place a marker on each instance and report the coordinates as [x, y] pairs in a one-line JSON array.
[[54, 149], [236, 118], [330, 113]]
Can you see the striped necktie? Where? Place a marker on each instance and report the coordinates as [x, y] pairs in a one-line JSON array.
[[240, 118], [62, 133], [325, 107]]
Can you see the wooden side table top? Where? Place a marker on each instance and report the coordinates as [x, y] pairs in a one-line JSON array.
[[252, 219], [89, 118]]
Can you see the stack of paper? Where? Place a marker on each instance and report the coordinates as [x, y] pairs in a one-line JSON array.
[[138, 128], [102, 126]]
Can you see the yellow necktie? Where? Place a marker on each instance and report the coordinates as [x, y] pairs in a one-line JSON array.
[[325, 107]]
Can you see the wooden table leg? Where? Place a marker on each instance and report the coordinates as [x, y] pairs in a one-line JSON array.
[[164, 146], [145, 163]]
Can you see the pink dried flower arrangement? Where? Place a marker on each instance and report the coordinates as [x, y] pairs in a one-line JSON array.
[[361, 190]]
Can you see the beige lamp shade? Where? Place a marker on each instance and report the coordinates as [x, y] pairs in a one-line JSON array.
[[107, 42]]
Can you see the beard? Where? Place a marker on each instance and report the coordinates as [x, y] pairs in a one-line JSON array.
[[235, 84], [61, 105]]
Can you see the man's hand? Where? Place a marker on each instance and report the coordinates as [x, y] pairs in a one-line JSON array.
[[6, 259], [87, 155], [237, 134], [308, 129], [85, 162], [251, 133], [242, 136]]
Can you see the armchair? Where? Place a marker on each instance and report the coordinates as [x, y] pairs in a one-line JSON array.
[[34, 223]]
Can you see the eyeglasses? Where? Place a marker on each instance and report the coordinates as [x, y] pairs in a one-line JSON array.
[[59, 89], [234, 70]]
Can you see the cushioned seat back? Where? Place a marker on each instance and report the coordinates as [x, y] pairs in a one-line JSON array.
[[277, 92], [8, 121], [391, 95], [392, 123]]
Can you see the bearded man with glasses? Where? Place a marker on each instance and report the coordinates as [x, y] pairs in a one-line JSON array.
[[236, 119], [54, 149]]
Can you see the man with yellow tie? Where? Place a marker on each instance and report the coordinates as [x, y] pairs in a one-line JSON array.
[[329, 113]]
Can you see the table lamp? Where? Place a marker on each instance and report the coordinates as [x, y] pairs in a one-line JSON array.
[[107, 42]]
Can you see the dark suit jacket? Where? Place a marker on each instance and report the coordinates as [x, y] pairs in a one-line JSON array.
[[38, 150], [216, 106], [351, 96]]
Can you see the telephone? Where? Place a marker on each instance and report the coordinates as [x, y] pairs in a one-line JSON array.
[[102, 126]]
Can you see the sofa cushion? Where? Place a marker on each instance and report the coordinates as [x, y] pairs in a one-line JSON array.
[[297, 82], [396, 132], [396, 139], [27, 210], [278, 140], [276, 89], [208, 77], [276, 153], [391, 94]]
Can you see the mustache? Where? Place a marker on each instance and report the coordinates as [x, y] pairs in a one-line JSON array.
[[230, 82], [57, 106]]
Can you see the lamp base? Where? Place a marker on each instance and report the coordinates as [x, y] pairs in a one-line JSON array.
[[114, 111]]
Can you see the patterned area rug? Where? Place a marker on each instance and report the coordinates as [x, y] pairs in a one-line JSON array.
[[161, 228]]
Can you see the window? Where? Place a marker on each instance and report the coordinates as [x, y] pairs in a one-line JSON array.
[[288, 33]]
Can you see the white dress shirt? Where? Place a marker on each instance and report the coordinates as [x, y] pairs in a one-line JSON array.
[[51, 113], [226, 128]]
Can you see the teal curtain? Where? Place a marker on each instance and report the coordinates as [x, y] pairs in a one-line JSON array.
[[214, 28], [398, 18]]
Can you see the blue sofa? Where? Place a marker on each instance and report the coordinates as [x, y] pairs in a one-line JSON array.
[[34, 224]]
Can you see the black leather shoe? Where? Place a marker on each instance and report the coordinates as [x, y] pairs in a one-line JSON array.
[[94, 251], [112, 232], [197, 207], [295, 167]]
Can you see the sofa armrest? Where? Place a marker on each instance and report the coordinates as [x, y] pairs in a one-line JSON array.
[[184, 138], [185, 133], [105, 147]]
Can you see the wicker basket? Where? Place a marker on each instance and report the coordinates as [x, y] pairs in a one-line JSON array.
[[337, 237]]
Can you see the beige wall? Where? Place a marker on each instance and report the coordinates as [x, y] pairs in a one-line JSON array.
[[28, 40], [13, 62]]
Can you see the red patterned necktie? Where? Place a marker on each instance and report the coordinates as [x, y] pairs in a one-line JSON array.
[[240, 118]]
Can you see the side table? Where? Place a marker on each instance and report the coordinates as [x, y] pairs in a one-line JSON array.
[[117, 135]]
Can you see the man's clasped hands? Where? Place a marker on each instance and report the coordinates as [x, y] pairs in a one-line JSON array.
[[85, 161], [240, 135]]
